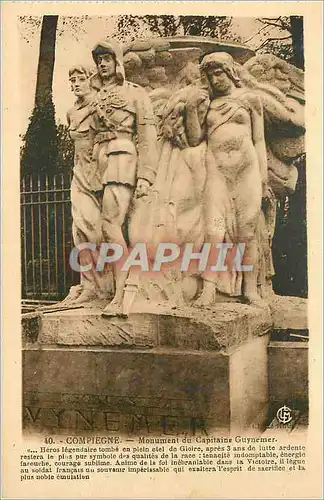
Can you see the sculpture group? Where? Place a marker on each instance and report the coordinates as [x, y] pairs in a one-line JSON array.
[[200, 162]]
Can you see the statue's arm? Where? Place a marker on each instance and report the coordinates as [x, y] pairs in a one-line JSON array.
[[194, 131], [195, 120], [258, 138], [197, 101]]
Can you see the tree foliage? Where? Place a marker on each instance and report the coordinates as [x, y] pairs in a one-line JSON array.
[[46, 146], [282, 36], [40, 143], [131, 27]]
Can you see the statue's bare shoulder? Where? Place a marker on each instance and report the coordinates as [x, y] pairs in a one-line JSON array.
[[250, 99]]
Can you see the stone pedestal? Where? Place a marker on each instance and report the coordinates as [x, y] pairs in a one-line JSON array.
[[164, 372], [288, 356], [288, 373]]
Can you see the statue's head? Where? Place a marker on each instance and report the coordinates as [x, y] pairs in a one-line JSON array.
[[219, 71], [79, 77], [108, 56]]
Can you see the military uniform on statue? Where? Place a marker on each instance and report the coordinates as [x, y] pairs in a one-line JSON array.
[[125, 149]]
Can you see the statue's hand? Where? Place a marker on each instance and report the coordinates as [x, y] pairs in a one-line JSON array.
[[196, 96], [142, 188], [267, 193]]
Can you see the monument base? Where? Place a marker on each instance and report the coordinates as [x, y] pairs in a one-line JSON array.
[[288, 359], [181, 371]]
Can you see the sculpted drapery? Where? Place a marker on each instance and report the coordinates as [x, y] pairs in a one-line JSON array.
[[211, 180], [212, 177], [215, 130]]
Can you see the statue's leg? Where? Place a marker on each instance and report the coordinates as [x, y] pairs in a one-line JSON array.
[[86, 214], [216, 208], [248, 209], [115, 205], [86, 228]]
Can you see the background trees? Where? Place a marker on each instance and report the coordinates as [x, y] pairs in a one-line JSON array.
[[282, 36], [40, 148], [214, 26], [46, 145]]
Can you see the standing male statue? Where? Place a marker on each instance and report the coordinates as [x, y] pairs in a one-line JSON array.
[[85, 191], [125, 147]]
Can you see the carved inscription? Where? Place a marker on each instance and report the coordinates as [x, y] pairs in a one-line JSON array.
[[90, 412]]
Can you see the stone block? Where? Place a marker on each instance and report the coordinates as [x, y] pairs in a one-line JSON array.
[[217, 328], [240, 52], [168, 372], [289, 312], [161, 391], [288, 375], [288, 148]]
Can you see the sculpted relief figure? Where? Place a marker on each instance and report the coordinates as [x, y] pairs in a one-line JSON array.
[[220, 150], [216, 172], [125, 149], [212, 175], [112, 126], [236, 166], [85, 191], [285, 121]]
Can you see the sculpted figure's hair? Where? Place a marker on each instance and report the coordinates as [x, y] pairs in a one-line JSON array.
[[272, 97], [80, 68], [220, 60]]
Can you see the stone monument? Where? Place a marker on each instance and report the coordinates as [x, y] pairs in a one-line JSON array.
[[185, 142]]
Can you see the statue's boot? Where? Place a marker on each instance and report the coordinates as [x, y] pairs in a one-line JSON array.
[[212, 294], [74, 293], [255, 300], [87, 295], [207, 296], [114, 308]]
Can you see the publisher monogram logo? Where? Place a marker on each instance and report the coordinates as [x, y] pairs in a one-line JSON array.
[[284, 415]]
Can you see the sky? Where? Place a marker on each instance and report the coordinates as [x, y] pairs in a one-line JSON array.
[[76, 49]]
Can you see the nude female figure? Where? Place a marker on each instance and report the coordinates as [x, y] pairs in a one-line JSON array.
[[236, 167]]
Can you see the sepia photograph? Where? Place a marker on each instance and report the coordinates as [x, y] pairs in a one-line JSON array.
[[164, 246], [172, 151]]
